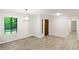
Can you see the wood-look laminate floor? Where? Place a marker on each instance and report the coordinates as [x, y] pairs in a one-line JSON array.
[[46, 43]]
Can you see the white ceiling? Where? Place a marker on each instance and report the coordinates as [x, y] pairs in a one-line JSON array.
[[72, 12], [53, 11]]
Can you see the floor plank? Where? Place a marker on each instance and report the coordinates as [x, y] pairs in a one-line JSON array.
[[45, 43]]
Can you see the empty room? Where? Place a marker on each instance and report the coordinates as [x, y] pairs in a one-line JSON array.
[[39, 29]]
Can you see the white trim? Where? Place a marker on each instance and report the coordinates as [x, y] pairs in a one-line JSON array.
[[14, 39]]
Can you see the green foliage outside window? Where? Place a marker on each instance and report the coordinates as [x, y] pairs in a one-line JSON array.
[[10, 24]]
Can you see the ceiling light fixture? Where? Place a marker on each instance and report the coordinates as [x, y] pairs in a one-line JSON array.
[[58, 14], [26, 18]]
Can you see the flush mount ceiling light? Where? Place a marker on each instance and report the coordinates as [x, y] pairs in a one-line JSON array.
[[26, 18], [58, 14]]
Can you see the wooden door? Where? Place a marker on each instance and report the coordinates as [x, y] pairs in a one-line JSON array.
[[46, 27]]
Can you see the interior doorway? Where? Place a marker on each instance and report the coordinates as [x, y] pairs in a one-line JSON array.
[[74, 26], [72, 37], [46, 27]]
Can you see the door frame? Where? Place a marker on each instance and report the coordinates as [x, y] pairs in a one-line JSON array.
[[71, 25], [76, 25], [44, 26]]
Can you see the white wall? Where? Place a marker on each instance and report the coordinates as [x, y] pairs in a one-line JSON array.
[[36, 26], [36, 21], [78, 28], [23, 29], [60, 26]]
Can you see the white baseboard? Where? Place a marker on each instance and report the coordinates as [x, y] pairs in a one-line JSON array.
[[14, 39], [61, 36]]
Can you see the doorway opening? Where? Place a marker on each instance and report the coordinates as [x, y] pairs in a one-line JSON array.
[[74, 26], [46, 27], [73, 33]]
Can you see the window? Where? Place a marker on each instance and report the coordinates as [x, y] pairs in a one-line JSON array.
[[10, 24]]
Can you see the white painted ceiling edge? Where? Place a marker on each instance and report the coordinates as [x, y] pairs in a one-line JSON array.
[[69, 12], [16, 11], [72, 12]]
